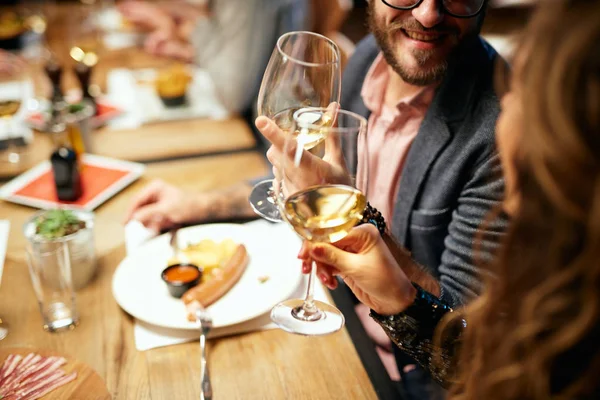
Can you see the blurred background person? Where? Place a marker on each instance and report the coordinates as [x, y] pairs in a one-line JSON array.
[[231, 39]]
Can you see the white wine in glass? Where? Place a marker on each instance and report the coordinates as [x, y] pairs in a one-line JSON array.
[[322, 198], [325, 213], [312, 139], [304, 71]]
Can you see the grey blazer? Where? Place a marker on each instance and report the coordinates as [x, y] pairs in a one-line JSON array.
[[451, 179]]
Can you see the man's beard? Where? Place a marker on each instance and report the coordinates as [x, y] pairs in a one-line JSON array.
[[425, 75]]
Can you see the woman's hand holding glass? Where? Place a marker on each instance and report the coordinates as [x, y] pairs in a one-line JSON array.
[[364, 262]]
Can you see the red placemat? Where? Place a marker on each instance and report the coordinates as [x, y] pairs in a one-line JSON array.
[[101, 178], [94, 180]]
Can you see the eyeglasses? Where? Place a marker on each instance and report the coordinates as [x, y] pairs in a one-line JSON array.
[[455, 8]]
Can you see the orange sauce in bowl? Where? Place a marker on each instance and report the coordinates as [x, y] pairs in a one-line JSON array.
[[182, 273]]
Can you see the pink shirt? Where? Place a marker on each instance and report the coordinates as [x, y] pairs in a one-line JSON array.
[[390, 134]]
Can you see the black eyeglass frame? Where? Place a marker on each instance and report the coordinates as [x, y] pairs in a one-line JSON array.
[[418, 3]]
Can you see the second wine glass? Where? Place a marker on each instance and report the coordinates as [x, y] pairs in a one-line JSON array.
[[322, 199], [304, 71]]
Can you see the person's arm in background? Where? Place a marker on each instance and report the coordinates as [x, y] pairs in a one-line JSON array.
[[234, 43], [227, 45], [147, 16], [160, 205]]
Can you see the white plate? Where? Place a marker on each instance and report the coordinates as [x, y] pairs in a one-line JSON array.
[[140, 291], [134, 93]]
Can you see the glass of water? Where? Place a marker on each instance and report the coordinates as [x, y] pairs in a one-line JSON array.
[[50, 270]]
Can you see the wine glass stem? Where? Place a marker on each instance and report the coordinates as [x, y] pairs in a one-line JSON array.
[[309, 304]]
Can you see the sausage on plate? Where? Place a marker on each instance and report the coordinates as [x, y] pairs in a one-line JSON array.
[[225, 278]]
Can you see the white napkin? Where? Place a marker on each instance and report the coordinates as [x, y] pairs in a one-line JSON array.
[[4, 230], [148, 336], [142, 104]]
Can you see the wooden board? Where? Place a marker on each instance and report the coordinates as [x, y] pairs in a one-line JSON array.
[[87, 385]]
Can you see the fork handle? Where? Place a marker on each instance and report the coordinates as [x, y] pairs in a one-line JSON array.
[[205, 387]]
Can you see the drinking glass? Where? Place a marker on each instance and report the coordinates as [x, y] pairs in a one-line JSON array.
[[85, 35], [50, 270], [80, 245], [304, 71], [322, 199], [13, 81]]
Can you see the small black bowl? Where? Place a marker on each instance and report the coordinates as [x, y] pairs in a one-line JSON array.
[[177, 287], [176, 101]]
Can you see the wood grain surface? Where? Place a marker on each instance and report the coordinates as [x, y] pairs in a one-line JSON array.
[[260, 365]]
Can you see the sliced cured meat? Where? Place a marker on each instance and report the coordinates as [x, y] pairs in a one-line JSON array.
[[32, 376]]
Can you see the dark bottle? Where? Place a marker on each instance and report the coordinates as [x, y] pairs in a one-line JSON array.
[[65, 166], [84, 75]]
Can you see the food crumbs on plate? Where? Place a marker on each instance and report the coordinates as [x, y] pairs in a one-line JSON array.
[[263, 279]]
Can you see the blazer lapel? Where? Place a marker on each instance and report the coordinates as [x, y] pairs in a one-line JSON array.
[[450, 104]]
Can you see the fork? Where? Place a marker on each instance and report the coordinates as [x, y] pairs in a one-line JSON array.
[[173, 241], [206, 323]]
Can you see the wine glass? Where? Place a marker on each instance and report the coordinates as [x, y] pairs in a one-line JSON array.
[[322, 199], [86, 48], [85, 35], [304, 71], [13, 81]]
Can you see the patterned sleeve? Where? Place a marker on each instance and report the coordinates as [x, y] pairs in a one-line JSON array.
[[413, 332]]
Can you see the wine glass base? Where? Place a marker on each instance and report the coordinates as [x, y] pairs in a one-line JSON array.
[[263, 201], [331, 319]]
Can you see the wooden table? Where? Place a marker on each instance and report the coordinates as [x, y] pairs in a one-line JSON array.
[[261, 365], [154, 142]]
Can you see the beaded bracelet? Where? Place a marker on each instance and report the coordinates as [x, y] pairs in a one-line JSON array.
[[372, 216]]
